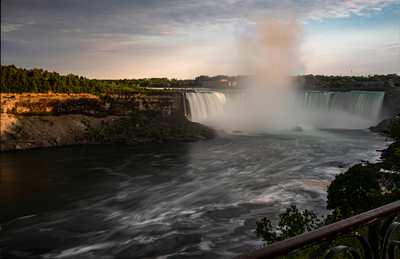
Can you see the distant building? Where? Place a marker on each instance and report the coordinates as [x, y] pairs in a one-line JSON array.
[[219, 84]]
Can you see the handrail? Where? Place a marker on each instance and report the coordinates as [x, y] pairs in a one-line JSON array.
[[329, 232]]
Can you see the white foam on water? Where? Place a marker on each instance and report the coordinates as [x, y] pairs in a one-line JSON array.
[[206, 245], [81, 251]]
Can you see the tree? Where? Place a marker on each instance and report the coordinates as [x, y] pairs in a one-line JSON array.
[[291, 223], [349, 191], [392, 161], [393, 131]]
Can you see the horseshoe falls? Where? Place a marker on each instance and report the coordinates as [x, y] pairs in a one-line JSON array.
[[231, 111]]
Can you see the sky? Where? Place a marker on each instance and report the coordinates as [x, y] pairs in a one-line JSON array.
[[184, 39]]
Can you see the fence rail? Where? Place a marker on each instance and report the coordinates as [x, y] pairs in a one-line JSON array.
[[375, 246]]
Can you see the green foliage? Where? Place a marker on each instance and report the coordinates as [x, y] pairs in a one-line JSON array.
[[341, 83], [393, 131], [336, 216], [139, 128], [349, 191], [264, 230], [291, 223], [18, 80], [304, 221]]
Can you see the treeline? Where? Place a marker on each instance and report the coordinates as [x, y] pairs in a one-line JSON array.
[[18, 80], [37, 80], [317, 82]]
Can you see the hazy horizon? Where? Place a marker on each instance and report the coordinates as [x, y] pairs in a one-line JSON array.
[[186, 39], [211, 76]]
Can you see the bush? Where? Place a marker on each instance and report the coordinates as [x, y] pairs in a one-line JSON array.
[[349, 191]]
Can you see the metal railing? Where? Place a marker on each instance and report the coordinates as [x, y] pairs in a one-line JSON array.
[[375, 246]]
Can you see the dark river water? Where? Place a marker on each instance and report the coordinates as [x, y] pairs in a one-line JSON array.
[[170, 200]]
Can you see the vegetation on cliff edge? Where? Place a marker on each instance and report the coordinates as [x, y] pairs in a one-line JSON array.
[[361, 188], [143, 129]]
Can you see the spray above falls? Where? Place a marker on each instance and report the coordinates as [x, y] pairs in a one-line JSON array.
[[269, 52]]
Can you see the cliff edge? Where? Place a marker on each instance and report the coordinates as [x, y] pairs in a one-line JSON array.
[[50, 120]]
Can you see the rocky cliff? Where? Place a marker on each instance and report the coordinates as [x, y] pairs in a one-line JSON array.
[[168, 104], [47, 120], [392, 102]]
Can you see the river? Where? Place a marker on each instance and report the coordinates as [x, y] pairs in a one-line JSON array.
[[174, 200]]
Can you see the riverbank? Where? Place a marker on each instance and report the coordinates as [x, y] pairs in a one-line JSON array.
[[41, 121]]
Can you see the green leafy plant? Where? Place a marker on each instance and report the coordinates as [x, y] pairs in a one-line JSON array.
[[291, 223], [349, 191]]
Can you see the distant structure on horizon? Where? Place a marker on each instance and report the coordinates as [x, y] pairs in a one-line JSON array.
[[219, 84]]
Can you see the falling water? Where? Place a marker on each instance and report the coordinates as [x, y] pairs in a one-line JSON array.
[[366, 105], [205, 105], [321, 109]]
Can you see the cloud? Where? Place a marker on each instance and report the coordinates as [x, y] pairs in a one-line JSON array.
[[166, 17], [45, 29], [11, 27], [33, 20], [388, 48]]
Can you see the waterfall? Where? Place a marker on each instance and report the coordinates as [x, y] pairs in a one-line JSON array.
[[363, 104], [205, 105], [349, 109]]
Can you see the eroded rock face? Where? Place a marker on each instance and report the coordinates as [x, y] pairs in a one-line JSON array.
[[381, 127], [392, 102], [87, 104], [50, 120], [45, 131]]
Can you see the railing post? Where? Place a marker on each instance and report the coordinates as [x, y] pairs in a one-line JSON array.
[[375, 239]]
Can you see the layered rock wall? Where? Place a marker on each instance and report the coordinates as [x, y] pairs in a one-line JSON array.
[[391, 103], [168, 104], [49, 120]]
